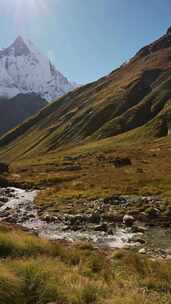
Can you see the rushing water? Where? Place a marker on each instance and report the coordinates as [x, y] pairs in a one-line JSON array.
[[17, 206], [21, 205]]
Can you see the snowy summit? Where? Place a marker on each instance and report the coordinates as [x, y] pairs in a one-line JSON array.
[[23, 69]]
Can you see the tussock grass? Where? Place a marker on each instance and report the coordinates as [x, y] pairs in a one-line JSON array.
[[16, 244], [35, 271]]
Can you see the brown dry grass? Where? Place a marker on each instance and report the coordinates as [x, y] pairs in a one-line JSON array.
[[34, 271]]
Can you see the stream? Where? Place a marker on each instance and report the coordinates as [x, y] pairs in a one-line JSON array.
[[17, 207]]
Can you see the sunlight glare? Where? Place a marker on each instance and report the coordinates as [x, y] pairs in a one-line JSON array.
[[31, 5]]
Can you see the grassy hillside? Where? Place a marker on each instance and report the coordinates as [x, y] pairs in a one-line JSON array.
[[68, 148], [68, 152], [130, 97]]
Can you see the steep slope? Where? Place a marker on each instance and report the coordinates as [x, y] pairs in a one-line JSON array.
[[15, 110], [134, 95], [23, 69]]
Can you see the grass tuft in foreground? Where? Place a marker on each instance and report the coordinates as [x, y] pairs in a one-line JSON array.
[[35, 271]]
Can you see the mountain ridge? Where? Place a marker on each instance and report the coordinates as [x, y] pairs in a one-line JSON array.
[[136, 95], [17, 109], [23, 69]]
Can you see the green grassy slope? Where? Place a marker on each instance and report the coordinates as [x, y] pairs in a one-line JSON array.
[[130, 97]]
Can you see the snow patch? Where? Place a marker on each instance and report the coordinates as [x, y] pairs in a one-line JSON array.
[[23, 69]]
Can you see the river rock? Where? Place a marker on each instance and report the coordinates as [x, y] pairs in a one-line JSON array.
[[128, 220], [115, 200], [101, 227], [137, 239], [11, 219], [3, 199], [110, 231], [142, 251], [49, 218], [152, 212], [141, 229]]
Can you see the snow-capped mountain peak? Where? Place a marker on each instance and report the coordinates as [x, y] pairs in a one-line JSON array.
[[23, 69], [17, 48]]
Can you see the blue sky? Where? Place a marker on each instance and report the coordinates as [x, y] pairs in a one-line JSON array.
[[86, 39]]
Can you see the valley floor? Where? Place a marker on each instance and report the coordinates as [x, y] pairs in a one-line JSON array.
[[71, 179], [83, 189]]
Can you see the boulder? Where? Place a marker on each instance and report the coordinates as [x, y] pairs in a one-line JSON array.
[[142, 251], [137, 239], [101, 227], [72, 167], [141, 229], [115, 200], [152, 212], [121, 162], [49, 218], [3, 199], [128, 220], [94, 218]]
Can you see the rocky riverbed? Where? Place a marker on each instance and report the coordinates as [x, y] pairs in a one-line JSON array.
[[17, 207]]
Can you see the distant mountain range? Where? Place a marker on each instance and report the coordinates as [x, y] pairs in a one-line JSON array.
[[135, 96], [24, 70], [27, 81]]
